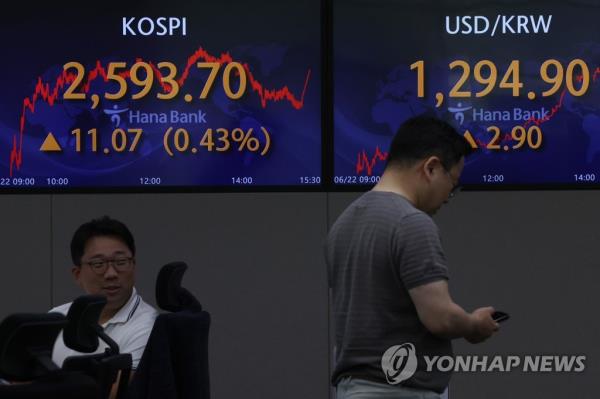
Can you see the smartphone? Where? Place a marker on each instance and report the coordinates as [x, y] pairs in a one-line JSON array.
[[499, 317]]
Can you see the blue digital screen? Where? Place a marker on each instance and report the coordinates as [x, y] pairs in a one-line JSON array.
[[167, 94], [519, 79]]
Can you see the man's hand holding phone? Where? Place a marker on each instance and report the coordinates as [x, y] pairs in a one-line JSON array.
[[499, 316]]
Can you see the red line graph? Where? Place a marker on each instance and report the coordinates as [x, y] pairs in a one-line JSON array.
[[364, 162], [45, 92], [264, 94], [554, 110]]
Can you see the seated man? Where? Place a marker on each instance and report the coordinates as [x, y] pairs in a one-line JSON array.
[[103, 254]]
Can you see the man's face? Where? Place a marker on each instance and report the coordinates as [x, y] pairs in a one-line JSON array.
[[443, 182], [113, 279]]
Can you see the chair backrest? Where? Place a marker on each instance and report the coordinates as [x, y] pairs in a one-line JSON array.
[[170, 295], [82, 330], [26, 342], [54, 385], [175, 362], [82, 333]]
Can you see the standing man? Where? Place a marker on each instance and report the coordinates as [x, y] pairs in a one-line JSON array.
[[388, 273], [103, 254]]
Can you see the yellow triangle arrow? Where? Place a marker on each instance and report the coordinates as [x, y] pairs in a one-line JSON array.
[[470, 139], [50, 144]]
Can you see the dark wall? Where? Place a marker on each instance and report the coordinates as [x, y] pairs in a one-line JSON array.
[[256, 264]]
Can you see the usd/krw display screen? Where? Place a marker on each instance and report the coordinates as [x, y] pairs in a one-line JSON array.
[[519, 79], [167, 94]]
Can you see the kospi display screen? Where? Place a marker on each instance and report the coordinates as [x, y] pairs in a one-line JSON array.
[[160, 93], [519, 79]]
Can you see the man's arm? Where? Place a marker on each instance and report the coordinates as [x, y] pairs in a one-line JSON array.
[[444, 318], [115, 387]]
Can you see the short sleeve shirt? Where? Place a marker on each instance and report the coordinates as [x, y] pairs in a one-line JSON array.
[[379, 248]]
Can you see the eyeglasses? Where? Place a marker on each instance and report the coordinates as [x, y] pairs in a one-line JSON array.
[[455, 190], [120, 264], [456, 187]]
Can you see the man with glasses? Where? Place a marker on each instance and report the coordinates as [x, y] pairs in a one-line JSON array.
[[388, 273], [103, 254]]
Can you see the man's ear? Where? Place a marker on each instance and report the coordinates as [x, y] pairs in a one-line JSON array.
[[430, 165], [76, 272]]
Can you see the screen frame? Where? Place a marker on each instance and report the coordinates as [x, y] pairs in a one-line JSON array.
[[325, 7]]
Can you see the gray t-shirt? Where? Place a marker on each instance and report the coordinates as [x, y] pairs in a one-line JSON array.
[[379, 248]]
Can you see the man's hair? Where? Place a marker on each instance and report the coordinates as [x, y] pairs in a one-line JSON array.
[[105, 227], [423, 136]]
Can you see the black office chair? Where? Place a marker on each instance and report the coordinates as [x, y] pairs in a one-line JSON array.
[[26, 342], [175, 362], [81, 333]]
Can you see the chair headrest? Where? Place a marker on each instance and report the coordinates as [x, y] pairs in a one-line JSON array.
[[26, 342], [80, 333], [170, 295]]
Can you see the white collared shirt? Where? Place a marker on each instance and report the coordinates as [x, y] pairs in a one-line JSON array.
[[130, 328]]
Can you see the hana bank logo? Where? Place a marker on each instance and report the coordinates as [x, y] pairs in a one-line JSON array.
[[399, 363]]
